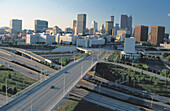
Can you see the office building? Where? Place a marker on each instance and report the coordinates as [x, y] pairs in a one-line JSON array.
[[108, 28], [102, 30], [141, 33], [40, 38], [112, 19], [16, 25], [126, 23], [129, 49], [81, 24], [94, 25], [66, 39], [90, 42], [130, 24], [115, 29], [73, 24], [157, 35], [92, 31], [129, 46], [56, 30], [40, 26]]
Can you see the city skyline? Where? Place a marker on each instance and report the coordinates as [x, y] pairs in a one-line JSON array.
[[61, 15]]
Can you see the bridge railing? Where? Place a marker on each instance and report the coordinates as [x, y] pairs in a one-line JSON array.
[[40, 81], [27, 89]]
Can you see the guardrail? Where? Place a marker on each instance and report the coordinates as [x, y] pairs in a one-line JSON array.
[[40, 81], [27, 89]]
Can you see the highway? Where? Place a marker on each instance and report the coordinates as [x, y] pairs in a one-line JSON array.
[[104, 101], [28, 62], [42, 98], [25, 52], [30, 54], [17, 68]]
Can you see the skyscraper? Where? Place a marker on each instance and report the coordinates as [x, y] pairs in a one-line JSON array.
[[115, 29], [112, 19], [109, 27], [157, 35], [94, 25], [130, 24], [40, 26], [16, 25], [81, 24], [141, 33], [124, 22], [73, 24], [102, 30]]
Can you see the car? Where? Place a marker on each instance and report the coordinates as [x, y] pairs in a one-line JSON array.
[[51, 87], [142, 109], [144, 91], [66, 72], [29, 72]]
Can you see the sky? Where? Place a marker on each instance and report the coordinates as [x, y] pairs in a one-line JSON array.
[[62, 12]]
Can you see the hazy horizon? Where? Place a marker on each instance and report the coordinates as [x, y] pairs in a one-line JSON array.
[[61, 13]]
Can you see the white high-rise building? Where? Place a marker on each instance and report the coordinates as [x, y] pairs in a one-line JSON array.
[[94, 25], [129, 46], [16, 25]]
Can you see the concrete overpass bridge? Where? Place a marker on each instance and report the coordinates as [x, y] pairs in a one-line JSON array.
[[42, 97], [28, 54]]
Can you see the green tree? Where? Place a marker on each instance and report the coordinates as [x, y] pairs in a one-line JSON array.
[[164, 72], [168, 58], [9, 76], [155, 83], [14, 90], [164, 55], [51, 65]]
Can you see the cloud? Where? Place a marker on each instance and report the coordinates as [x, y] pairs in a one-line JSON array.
[[169, 14]]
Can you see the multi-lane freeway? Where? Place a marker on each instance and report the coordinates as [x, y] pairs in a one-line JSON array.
[[28, 62], [42, 97], [18, 68]]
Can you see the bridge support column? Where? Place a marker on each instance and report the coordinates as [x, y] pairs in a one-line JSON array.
[[94, 68]]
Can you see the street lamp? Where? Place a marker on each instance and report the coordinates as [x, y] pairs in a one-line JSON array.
[[100, 86]]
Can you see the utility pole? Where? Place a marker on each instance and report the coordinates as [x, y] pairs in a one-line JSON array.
[[6, 92]]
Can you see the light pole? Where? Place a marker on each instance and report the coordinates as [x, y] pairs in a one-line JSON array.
[[31, 105], [64, 87], [81, 69], [92, 59]]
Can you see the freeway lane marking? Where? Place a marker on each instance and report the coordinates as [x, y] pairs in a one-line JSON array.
[[56, 85], [41, 97], [46, 93]]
